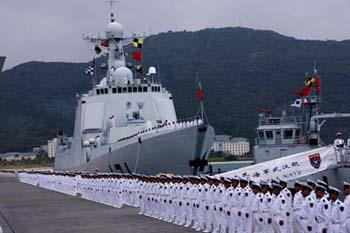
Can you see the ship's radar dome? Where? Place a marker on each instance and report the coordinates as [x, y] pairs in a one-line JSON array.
[[122, 75], [152, 70], [114, 30]]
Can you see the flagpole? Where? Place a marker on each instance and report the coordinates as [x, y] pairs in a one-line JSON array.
[[94, 77]]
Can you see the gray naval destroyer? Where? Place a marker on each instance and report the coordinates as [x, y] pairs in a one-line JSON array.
[[128, 124], [300, 131]]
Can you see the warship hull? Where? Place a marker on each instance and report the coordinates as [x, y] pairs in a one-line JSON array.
[[164, 152]]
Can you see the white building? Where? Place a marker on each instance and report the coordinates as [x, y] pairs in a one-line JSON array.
[[231, 145], [17, 156], [51, 148]]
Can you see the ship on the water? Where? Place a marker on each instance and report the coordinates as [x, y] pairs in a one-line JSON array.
[[299, 131], [127, 122]]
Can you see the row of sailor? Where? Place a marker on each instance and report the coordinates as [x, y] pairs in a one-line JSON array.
[[209, 204]]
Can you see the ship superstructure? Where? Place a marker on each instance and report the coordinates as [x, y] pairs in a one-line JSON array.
[[298, 131], [127, 123]]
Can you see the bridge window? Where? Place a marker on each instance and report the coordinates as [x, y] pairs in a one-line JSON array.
[[97, 91], [288, 134], [114, 90], [134, 89], [140, 89], [269, 134], [106, 90], [144, 89], [274, 121], [119, 90], [124, 89], [261, 134]]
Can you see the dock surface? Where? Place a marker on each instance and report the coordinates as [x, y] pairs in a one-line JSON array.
[[29, 209]]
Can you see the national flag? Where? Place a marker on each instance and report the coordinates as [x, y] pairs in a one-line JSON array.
[[305, 91], [98, 50], [139, 68], [297, 103], [309, 81], [105, 43], [306, 101], [200, 94], [90, 70], [137, 55], [138, 42], [318, 85]]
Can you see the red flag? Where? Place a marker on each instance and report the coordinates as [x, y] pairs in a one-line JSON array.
[[200, 95], [137, 55], [105, 43], [318, 85], [305, 92]]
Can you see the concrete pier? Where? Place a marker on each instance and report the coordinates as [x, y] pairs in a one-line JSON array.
[[28, 209]]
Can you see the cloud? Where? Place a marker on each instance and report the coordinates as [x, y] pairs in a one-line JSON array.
[[49, 30]]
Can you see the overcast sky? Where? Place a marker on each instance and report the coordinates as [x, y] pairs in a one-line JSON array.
[[51, 30]]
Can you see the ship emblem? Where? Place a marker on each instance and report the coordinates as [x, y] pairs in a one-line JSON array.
[[315, 160]]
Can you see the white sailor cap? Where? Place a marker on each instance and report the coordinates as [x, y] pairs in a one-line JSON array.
[[333, 189], [227, 180], [320, 187], [283, 181], [298, 182], [263, 183], [339, 134], [243, 180], [276, 185], [320, 182], [346, 184], [305, 185], [235, 178], [274, 181], [309, 181], [255, 184]]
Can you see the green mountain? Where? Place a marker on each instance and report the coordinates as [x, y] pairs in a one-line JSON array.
[[242, 70]]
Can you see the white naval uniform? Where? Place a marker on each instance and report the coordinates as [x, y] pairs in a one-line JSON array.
[[347, 214], [297, 206], [247, 216], [323, 212], [339, 149], [267, 207], [258, 219], [337, 216], [307, 215]]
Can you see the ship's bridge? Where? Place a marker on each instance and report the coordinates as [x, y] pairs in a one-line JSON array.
[[135, 88], [279, 130]]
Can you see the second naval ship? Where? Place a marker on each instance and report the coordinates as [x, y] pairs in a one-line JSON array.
[[127, 123], [300, 131]]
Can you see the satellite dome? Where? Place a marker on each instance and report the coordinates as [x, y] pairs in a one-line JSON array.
[[152, 70], [114, 30], [122, 75]]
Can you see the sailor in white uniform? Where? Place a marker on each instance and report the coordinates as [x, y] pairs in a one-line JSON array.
[[339, 147], [313, 185], [323, 208], [347, 207], [337, 211], [305, 213]]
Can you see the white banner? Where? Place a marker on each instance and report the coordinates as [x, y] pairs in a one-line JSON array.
[[288, 168]]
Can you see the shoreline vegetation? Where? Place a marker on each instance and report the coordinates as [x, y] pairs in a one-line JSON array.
[[41, 160]]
